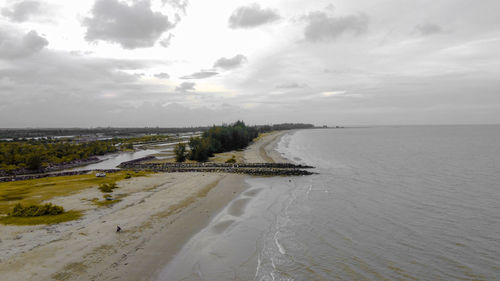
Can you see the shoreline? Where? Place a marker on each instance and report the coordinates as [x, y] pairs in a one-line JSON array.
[[158, 216]]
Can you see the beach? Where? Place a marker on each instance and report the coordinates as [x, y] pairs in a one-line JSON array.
[[158, 214]]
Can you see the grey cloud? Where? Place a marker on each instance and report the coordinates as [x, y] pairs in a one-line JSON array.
[[185, 86], [55, 72], [291, 85], [200, 75], [15, 46], [428, 29], [178, 4], [162, 75], [135, 26], [165, 42], [251, 16], [230, 63], [324, 27], [21, 11]]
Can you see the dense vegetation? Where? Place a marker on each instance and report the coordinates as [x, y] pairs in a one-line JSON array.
[[224, 138], [36, 154], [180, 152], [218, 139], [284, 126], [36, 210]]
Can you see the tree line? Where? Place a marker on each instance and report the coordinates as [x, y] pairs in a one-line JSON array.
[[224, 138], [35, 154]]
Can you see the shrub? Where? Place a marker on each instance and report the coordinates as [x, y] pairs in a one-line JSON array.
[[128, 176], [36, 210], [231, 160], [107, 187], [180, 152]]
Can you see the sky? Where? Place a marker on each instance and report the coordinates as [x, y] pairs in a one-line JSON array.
[[171, 63]]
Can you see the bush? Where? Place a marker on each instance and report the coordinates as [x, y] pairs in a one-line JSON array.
[[180, 152], [34, 162], [36, 210], [107, 187], [231, 160], [128, 176]]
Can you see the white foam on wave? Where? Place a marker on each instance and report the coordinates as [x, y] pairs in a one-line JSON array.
[[278, 244]]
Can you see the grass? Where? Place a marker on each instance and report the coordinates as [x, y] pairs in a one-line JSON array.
[[231, 160], [37, 191], [225, 156], [108, 187], [64, 217], [108, 200], [36, 210], [106, 203]]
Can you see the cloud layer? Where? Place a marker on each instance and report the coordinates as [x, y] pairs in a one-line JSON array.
[[251, 16], [162, 75], [230, 63], [21, 11], [323, 27], [427, 28], [185, 86], [16, 46], [131, 26], [200, 75], [134, 63]]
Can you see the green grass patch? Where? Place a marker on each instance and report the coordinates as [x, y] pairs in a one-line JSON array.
[[231, 160], [106, 203], [108, 200], [107, 187], [64, 217], [36, 210], [36, 191]]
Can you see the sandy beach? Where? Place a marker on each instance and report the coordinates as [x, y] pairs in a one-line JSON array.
[[157, 214]]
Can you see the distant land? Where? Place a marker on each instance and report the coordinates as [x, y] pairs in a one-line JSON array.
[[19, 133]]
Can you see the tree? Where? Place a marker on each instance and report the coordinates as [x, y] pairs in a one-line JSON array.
[[200, 149], [34, 162], [180, 152]]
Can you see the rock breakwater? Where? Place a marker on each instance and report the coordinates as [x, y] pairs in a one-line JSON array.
[[266, 169]]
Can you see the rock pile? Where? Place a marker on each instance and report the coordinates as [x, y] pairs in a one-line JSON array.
[[267, 169]]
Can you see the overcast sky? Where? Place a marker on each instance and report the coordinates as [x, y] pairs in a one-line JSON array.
[[91, 63]]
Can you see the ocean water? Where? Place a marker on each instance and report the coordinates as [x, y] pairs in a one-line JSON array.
[[389, 203]]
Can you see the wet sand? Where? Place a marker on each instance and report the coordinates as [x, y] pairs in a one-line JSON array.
[[157, 216]]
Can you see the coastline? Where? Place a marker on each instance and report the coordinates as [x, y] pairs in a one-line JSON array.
[[159, 215]]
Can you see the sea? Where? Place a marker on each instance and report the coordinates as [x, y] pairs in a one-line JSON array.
[[387, 203]]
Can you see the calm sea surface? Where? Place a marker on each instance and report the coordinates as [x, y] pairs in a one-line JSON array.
[[389, 203]]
